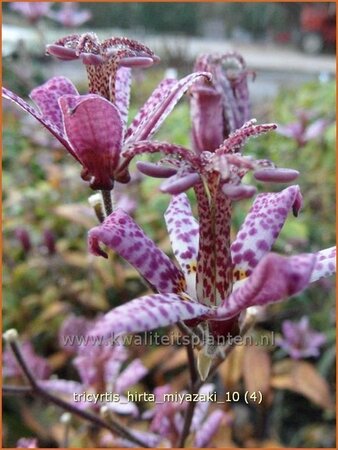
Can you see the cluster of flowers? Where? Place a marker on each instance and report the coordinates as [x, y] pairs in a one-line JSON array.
[[217, 280], [69, 15]]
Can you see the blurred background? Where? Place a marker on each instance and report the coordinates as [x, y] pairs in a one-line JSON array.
[[47, 274]]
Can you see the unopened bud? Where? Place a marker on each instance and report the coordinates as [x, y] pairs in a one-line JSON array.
[[95, 202], [23, 236], [49, 241], [65, 418], [104, 411], [203, 365], [11, 335]]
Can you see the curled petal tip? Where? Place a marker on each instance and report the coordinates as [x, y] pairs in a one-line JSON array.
[[123, 176], [61, 52], [154, 170], [298, 203], [94, 246], [239, 192], [276, 175], [175, 185]]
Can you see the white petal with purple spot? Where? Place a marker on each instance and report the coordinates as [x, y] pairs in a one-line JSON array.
[[147, 313], [325, 264], [122, 234], [261, 228], [183, 230]]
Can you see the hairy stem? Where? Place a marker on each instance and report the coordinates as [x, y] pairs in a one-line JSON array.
[[113, 426]]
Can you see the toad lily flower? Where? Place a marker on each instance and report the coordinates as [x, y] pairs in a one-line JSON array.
[[303, 130], [93, 130], [27, 443], [300, 340], [102, 59], [32, 11], [228, 281], [70, 15]]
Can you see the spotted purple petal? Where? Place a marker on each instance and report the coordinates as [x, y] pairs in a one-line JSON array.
[[120, 233], [325, 264], [131, 375], [183, 230], [147, 313], [46, 98], [159, 106], [261, 228], [94, 128], [150, 105], [122, 90], [274, 278], [51, 127]]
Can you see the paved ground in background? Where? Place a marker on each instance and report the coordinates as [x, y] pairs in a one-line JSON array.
[[258, 56], [275, 66]]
